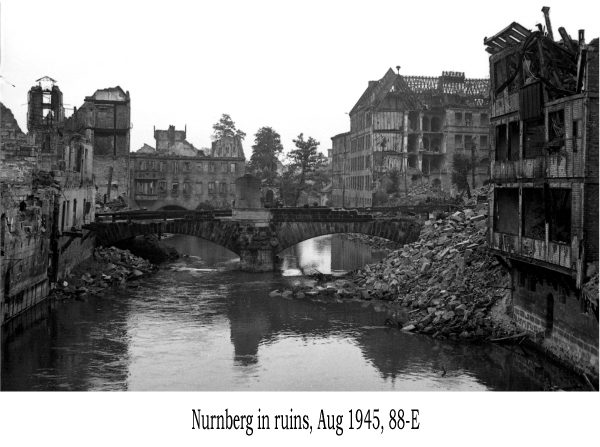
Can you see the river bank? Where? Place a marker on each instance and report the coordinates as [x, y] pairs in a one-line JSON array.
[[113, 266]]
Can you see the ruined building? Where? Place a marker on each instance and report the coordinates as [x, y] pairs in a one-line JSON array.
[[544, 211], [413, 124], [104, 120], [176, 175], [47, 196]]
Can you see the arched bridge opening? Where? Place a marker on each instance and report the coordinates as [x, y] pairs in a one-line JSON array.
[[258, 242]]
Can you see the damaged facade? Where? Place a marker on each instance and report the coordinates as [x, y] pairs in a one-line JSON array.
[[544, 212], [176, 175], [104, 120], [47, 196], [413, 124]]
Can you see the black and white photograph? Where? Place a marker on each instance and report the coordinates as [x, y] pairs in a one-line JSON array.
[[257, 198]]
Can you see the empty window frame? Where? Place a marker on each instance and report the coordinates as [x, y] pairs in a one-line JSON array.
[[175, 188], [534, 135], [501, 143], [534, 215], [506, 210]]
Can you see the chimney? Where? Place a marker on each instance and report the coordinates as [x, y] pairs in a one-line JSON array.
[[546, 11]]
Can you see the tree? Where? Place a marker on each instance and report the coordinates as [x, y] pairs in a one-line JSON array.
[[225, 127], [265, 152], [461, 165], [304, 160]]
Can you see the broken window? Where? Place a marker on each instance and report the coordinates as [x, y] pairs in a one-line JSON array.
[[436, 124], [483, 142], [556, 130], [575, 135], [175, 166], [513, 140], [175, 187], [232, 167], [559, 207], [458, 119], [162, 186], [186, 188], [413, 120], [468, 119], [186, 166], [484, 120], [211, 187], [499, 74], [199, 167], [211, 167], [534, 138], [534, 221], [161, 166], [426, 124], [501, 143], [142, 166], [223, 167]]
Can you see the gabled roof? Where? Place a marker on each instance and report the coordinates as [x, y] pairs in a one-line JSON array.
[[377, 91]]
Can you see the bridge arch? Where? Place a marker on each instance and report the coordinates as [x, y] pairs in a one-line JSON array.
[[256, 244]]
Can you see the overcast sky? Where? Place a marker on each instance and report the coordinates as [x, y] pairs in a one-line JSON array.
[[297, 66]]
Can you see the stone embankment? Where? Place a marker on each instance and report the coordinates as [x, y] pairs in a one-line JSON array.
[[108, 267], [445, 284]]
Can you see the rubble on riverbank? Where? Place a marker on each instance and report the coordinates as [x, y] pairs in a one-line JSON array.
[[446, 284], [108, 267]]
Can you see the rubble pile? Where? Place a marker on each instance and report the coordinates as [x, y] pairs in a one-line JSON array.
[[445, 284], [373, 241], [110, 266], [447, 280]]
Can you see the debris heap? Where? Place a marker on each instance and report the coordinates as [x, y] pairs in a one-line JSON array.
[[109, 266]]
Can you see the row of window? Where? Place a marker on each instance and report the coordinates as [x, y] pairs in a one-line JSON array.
[[467, 141], [360, 144], [186, 166], [186, 187], [543, 210], [360, 163], [533, 137]]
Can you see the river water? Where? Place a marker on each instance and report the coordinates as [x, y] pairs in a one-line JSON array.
[[199, 324]]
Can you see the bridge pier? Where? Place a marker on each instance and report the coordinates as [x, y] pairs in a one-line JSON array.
[[257, 261]]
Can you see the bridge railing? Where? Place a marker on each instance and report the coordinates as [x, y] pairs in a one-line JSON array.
[[162, 215]]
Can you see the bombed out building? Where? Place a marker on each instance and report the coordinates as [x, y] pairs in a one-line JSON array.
[[413, 124], [104, 120], [544, 211], [47, 194], [176, 175]]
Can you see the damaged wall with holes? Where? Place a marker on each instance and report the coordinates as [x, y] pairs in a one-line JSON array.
[[25, 226], [412, 124], [104, 120], [48, 196], [544, 212]]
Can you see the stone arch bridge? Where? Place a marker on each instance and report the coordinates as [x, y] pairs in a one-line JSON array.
[[256, 236]]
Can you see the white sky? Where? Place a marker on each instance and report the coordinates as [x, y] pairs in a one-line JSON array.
[[297, 66]]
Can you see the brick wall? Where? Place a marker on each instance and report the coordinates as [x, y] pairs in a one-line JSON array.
[[570, 333]]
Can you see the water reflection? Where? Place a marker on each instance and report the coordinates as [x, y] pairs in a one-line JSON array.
[[203, 325]]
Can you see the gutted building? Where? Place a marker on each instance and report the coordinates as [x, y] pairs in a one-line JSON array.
[[104, 120], [413, 124], [47, 191], [176, 175], [544, 211]]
